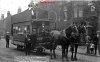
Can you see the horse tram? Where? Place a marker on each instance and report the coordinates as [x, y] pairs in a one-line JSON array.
[[40, 28], [23, 26]]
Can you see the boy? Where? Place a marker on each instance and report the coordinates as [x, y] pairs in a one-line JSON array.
[[91, 48]]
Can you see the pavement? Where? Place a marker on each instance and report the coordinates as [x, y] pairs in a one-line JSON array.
[[8, 54], [83, 50]]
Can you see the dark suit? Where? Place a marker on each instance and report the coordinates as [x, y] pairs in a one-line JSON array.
[[27, 45], [7, 41], [33, 39]]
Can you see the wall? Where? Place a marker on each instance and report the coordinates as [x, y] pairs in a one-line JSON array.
[[7, 24], [1, 27]]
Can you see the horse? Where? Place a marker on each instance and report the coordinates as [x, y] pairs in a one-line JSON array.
[[64, 39], [64, 42], [82, 32], [54, 42], [73, 38], [50, 43], [59, 38]]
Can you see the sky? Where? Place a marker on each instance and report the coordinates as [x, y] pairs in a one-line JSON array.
[[13, 5]]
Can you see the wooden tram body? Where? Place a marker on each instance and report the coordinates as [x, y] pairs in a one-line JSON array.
[[26, 25]]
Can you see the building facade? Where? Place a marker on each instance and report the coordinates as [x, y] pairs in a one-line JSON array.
[[2, 25], [7, 23]]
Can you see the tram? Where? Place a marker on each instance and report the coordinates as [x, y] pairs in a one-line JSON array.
[[40, 27], [22, 26]]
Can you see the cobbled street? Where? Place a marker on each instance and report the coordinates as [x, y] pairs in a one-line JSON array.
[[8, 54]]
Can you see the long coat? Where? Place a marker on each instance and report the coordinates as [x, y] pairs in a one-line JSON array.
[[7, 37]]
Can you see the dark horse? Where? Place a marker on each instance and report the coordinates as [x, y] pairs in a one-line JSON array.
[[64, 42], [72, 39], [50, 42]]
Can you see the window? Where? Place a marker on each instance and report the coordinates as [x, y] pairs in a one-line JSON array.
[[26, 29], [21, 29], [15, 29], [75, 12], [65, 13], [80, 12]]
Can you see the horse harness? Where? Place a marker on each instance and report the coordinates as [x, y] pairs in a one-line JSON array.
[[75, 35]]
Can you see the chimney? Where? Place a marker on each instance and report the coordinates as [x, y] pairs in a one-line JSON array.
[[8, 14], [31, 4], [2, 17], [19, 10]]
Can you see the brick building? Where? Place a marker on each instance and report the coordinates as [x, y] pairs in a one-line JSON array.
[[2, 25], [7, 23], [82, 13]]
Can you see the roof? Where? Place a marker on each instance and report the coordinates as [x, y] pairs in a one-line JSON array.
[[22, 17]]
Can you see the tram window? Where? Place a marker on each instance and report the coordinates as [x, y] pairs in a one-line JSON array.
[[14, 29], [26, 28], [17, 29]]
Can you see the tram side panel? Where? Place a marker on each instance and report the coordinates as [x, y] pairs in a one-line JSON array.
[[19, 31]]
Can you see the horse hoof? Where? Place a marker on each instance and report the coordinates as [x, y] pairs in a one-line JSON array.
[[72, 59], [63, 56], [75, 58], [51, 58], [67, 59]]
